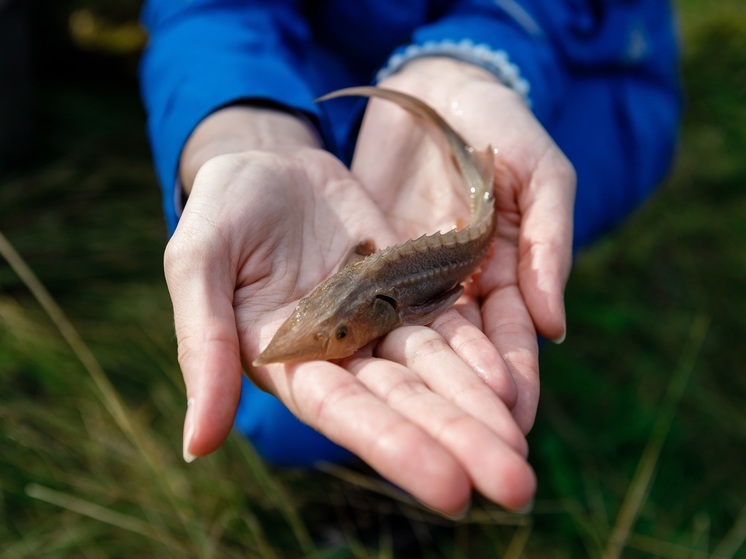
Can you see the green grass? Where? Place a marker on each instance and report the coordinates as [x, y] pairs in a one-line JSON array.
[[640, 442]]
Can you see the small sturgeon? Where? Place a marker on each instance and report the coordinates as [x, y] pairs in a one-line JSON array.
[[410, 283]]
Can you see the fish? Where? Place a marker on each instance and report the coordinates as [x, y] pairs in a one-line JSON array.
[[405, 284]]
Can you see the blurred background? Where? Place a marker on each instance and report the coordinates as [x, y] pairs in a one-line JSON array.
[[640, 442]]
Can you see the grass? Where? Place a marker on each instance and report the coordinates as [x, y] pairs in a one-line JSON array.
[[640, 441]]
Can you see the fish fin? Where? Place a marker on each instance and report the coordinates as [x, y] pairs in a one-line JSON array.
[[484, 161], [428, 311], [358, 252], [408, 102], [404, 100]]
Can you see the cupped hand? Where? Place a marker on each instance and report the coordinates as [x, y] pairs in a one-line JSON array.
[[519, 290], [260, 229]]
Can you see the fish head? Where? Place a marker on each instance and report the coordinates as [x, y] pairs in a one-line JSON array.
[[330, 325]]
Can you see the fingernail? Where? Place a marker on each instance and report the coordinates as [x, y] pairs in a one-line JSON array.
[[188, 432], [528, 509], [562, 337], [459, 515]]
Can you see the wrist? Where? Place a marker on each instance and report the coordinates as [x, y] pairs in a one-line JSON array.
[[239, 128], [471, 59], [442, 81]]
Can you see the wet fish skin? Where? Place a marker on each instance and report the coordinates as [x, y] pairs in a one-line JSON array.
[[409, 283]]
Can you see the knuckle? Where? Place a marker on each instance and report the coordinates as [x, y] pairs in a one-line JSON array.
[[402, 392], [174, 255], [178, 259], [565, 169], [454, 427], [429, 344], [327, 409]]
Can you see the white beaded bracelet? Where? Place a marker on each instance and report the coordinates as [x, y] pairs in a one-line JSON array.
[[496, 62]]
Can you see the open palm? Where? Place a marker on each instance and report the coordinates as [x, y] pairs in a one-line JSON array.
[[259, 231], [519, 290]]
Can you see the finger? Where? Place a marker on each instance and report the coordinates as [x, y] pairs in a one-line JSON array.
[[201, 291], [545, 244], [476, 350], [336, 403], [425, 352], [510, 328], [496, 470]]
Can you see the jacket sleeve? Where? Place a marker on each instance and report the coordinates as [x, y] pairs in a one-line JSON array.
[[602, 76], [204, 54], [487, 28], [552, 42]]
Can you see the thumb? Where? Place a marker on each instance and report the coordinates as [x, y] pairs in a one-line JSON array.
[[201, 288]]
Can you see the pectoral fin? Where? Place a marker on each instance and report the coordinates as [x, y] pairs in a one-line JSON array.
[[359, 251], [428, 311]]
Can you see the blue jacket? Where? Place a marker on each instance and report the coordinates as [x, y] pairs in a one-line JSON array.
[[603, 75]]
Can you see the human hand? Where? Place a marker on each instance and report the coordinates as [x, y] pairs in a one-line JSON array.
[[260, 230], [520, 288]]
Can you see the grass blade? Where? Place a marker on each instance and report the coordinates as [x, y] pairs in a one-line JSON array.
[[734, 539], [102, 514], [111, 400], [642, 480]]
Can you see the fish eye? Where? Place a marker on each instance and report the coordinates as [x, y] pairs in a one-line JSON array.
[[341, 332]]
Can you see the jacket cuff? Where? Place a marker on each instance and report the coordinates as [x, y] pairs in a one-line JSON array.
[[184, 79], [496, 62], [521, 57]]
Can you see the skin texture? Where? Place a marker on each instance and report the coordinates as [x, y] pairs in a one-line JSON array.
[[440, 411]]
